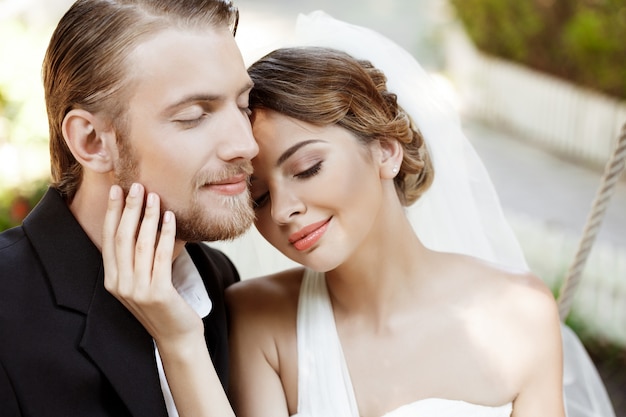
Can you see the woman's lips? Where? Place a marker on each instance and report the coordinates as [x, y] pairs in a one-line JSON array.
[[308, 236]]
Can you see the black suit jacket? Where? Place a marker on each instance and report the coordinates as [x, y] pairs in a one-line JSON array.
[[68, 347]]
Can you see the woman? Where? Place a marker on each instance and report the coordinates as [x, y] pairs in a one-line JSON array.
[[387, 325], [386, 322]]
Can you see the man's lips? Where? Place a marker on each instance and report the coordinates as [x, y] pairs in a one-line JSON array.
[[308, 236], [230, 186]]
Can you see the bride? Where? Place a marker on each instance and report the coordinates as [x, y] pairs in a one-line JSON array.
[[399, 311]]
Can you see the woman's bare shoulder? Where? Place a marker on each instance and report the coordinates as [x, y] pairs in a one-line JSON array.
[[522, 293], [265, 294], [519, 287], [262, 335], [518, 309], [509, 301], [514, 314]]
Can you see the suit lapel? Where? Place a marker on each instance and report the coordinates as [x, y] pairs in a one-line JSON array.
[[124, 352], [114, 340], [71, 260]]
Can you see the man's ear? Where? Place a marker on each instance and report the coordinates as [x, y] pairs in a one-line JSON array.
[[391, 154], [90, 139]]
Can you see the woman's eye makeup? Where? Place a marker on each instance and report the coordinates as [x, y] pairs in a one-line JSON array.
[[311, 171], [297, 168], [259, 193]]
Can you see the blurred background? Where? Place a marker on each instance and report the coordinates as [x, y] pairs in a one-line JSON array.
[[540, 86]]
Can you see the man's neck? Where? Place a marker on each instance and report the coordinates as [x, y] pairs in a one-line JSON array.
[[89, 208]]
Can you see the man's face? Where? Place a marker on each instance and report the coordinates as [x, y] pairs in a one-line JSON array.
[[189, 137]]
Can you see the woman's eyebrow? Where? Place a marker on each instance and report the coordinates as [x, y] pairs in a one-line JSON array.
[[285, 155]]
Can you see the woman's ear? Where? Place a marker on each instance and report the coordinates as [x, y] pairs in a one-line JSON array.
[[90, 140], [391, 154]]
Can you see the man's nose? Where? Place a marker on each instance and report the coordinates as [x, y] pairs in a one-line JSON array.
[[239, 142]]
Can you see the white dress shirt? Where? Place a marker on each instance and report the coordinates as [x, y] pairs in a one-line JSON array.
[[188, 283]]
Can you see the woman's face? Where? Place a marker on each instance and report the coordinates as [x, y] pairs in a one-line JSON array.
[[317, 190]]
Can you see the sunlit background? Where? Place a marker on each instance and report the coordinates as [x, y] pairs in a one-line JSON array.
[[540, 86]]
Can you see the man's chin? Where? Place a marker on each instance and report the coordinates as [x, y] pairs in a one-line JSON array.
[[228, 226]]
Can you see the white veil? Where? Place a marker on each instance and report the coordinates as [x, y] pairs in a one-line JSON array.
[[459, 213]]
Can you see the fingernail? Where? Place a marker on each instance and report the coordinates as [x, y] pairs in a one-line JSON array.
[[114, 193], [134, 190], [150, 200], [167, 217]]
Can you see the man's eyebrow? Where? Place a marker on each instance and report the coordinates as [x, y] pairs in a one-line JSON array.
[[285, 155], [192, 98], [206, 98]]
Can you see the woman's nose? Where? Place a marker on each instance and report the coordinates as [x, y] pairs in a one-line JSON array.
[[286, 205]]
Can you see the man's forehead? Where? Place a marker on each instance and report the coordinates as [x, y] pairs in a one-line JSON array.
[[182, 65]]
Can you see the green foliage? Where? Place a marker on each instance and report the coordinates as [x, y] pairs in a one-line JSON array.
[[583, 41], [500, 26], [14, 206]]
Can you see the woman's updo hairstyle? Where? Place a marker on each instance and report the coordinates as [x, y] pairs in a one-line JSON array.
[[324, 86]]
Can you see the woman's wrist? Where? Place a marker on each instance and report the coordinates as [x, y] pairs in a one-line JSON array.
[[184, 345], [196, 388]]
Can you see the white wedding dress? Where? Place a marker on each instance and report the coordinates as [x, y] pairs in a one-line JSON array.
[[324, 385], [459, 213]]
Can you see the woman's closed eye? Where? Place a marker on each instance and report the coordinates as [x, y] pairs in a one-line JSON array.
[[260, 201], [310, 172], [263, 198]]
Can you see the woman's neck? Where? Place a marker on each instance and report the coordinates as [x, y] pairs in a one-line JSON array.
[[383, 276]]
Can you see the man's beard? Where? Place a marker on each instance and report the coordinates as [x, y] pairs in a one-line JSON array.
[[197, 223]]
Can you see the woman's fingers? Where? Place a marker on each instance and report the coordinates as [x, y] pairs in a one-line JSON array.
[[109, 230], [137, 270], [125, 241], [146, 242], [162, 267], [138, 250], [128, 243]]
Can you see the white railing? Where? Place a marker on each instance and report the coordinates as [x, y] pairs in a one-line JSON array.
[[559, 115], [600, 301], [568, 119]]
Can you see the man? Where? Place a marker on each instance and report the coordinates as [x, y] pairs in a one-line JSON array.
[[146, 91]]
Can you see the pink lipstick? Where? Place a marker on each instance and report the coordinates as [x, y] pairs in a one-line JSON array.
[[308, 236]]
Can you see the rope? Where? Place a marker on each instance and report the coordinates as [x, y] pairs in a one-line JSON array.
[[612, 172]]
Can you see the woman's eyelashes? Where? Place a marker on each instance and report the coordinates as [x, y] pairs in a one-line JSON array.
[[309, 172], [259, 202]]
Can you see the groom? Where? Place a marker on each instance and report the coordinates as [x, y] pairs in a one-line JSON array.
[[136, 90]]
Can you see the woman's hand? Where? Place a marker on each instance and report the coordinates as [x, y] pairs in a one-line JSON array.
[[138, 272], [138, 266]]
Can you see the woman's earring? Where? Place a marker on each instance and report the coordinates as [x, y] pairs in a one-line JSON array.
[[395, 169]]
